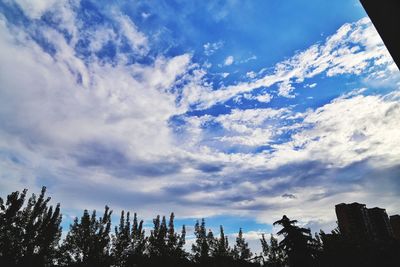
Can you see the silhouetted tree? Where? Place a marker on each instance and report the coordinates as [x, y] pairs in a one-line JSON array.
[[201, 247], [88, 241], [157, 240], [221, 245], [122, 240], [165, 246], [175, 242], [11, 232], [275, 255], [129, 241], [28, 237], [241, 250], [137, 245], [296, 242]]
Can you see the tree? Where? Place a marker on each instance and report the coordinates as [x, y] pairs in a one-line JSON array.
[[296, 242], [138, 242], [175, 242], [165, 246], [121, 240], [157, 246], [241, 250], [221, 246], [88, 241], [201, 247], [275, 255], [129, 241], [29, 237], [11, 232]]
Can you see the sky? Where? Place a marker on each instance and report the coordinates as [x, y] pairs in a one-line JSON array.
[[234, 111]]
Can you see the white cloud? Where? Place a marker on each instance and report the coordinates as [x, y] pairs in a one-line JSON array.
[[312, 85], [251, 74], [355, 48], [100, 37], [211, 48], [57, 119], [251, 127], [333, 133], [225, 74], [285, 89], [36, 8], [264, 98], [228, 61], [145, 15], [136, 38]]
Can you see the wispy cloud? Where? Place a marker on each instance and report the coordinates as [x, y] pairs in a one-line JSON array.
[[211, 48], [228, 60], [355, 48]]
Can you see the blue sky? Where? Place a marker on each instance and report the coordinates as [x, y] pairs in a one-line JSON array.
[[235, 111]]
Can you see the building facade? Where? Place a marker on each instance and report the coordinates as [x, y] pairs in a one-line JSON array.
[[395, 223], [360, 224], [380, 224], [353, 221]]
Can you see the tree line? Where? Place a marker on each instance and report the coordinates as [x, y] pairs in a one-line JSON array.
[[30, 235]]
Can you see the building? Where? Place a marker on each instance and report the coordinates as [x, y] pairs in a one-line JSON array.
[[395, 223], [381, 229], [358, 223], [353, 221]]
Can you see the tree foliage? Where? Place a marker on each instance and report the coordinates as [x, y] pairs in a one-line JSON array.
[[88, 241], [241, 250], [275, 256], [204, 242], [29, 234], [296, 242]]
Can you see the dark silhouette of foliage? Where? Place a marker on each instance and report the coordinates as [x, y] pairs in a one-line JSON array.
[[201, 247], [296, 242], [339, 250], [175, 242], [221, 247], [129, 241], [122, 240], [241, 250], [274, 254], [28, 236], [88, 241], [135, 252], [157, 241]]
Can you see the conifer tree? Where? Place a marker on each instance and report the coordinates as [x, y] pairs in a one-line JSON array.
[[201, 247], [221, 248], [157, 240], [296, 242], [175, 242], [29, 236], [121, 240], [138, 241], [11, 232], [241, 250], [172, 237], [211, 243], [181, 242], [275, 255], [129, 241], [88, 241]]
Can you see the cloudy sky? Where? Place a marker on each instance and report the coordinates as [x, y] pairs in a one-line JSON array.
[[236, 111]]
